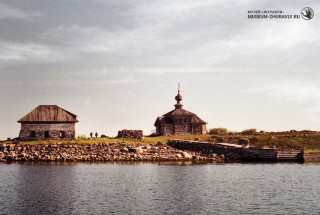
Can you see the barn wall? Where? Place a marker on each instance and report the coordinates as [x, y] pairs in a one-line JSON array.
[[199, 129], [65, 131], [182, 129], [204, 129], [167, 129], [181, 125]]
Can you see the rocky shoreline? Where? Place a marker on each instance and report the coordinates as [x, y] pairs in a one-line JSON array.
[[99, 152], [312, 157]]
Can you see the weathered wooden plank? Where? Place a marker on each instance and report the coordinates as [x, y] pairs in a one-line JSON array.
[[49, 113]]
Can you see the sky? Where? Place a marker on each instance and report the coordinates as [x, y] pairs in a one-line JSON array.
[[116, 64]]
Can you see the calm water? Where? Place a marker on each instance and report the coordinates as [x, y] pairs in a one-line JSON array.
[[160, 189]]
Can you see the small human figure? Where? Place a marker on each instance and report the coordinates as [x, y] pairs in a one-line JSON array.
[[91, 134], [96, 134]]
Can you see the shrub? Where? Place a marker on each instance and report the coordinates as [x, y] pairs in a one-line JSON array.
[[307, 131], [218, 131], [249, 131], [232, 132], [83, 136]]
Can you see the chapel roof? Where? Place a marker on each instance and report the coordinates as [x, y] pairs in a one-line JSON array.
[[178, 111]]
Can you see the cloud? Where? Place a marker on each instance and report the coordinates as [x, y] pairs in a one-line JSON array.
[[95, 40], [89, 82], [9, 12], [295, 91], [15, 51], [304, 92], [63, 79], [160, 71], [210, 46], [174, 35]]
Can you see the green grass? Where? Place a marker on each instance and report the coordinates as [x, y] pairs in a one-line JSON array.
[[281, 140], [108, 140], [307, 140], [312, 151], [82, 141], [249, 131]]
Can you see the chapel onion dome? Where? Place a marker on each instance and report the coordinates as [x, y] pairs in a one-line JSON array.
[[178, 97]]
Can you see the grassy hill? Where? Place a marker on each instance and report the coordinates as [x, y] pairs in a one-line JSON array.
[[307, 140]]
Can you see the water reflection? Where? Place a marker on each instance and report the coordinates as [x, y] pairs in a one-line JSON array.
[[42, 189], [149, 188]]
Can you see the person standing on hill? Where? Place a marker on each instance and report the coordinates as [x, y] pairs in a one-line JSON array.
[[91, 134], [96, 134]]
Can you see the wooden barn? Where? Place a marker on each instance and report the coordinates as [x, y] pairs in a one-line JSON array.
[[48, 122], [180, 121]]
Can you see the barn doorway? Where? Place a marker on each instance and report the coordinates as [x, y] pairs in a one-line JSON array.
[[46, 134], [62, 134]]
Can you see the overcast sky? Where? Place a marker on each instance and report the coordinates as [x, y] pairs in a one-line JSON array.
[[116, 64]]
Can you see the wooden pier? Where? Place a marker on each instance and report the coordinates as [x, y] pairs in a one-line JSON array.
[[242, 152], [289, 155]]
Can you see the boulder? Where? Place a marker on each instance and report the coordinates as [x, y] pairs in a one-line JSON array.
[[186, 155], [212, 155], [8, 158], [11, 147], [138, 150], [116, 150], [243, 141], [124, 149], [159, 144], [3, 147]]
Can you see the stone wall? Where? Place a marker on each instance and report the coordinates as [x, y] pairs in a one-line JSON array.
[[96, 152], [136, 134], [230, 153], [206, 148], [40, 131]]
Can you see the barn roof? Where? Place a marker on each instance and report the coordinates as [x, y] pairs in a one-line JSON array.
[[49, 113]]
